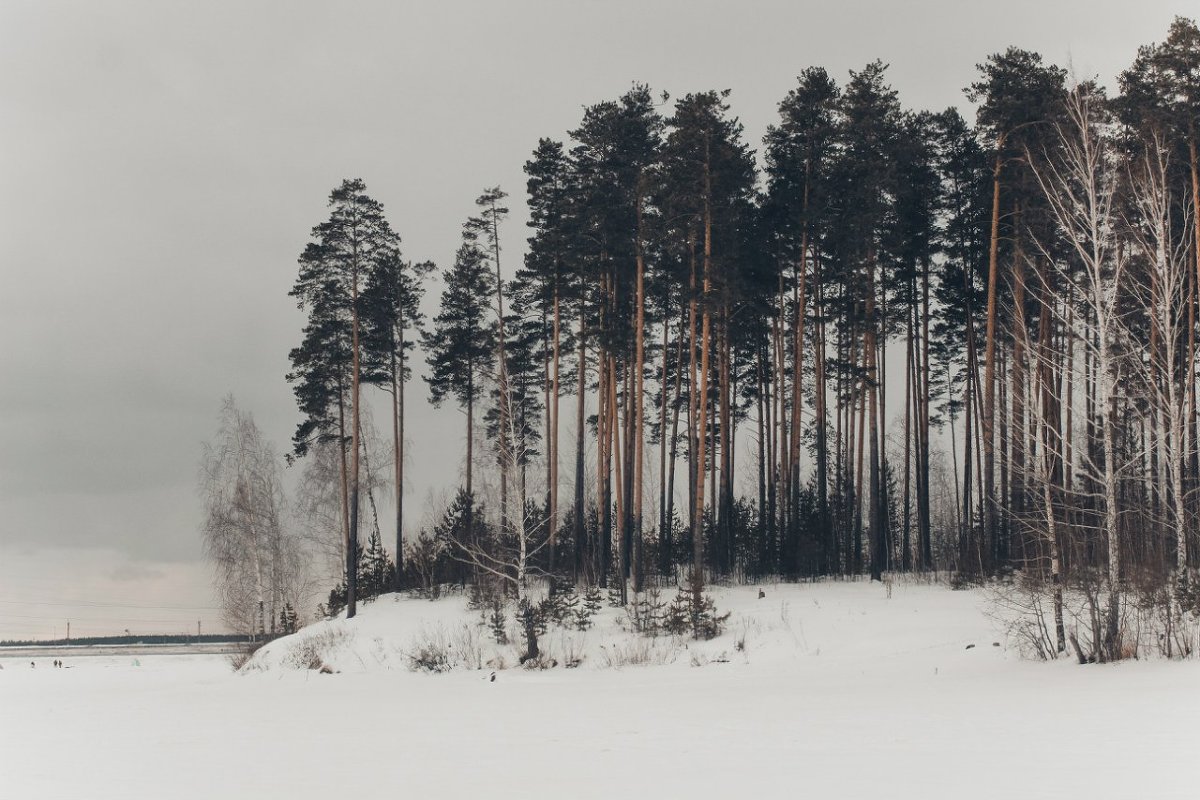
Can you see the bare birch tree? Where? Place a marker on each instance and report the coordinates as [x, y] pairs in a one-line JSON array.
[[1080, 181], [259, 565], [1164, 297], [506, 557]]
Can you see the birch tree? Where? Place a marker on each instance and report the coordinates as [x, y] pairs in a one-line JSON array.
[[1081, 183], [1164, 298], [258, 562]]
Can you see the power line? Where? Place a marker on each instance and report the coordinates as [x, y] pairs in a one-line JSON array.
[[59, 617], [92, 604]]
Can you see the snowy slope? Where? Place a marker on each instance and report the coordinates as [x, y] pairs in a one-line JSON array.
[[791, 622], [841, 692]]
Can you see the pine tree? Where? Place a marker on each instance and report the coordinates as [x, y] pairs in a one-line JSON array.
[[484, 232], [616, 153], [1018, 97], [546, 283], [346, 251], [460, 345], [709, 174], [461, 524], [392, 323], [375, 568], [961, 296], [865, 177], [288, 620], [523, 375], [799, 153], [911, 242]]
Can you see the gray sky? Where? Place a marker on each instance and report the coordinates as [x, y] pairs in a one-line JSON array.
[[162, 165]]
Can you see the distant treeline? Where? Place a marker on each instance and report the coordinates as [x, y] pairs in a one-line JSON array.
[[167, 638]]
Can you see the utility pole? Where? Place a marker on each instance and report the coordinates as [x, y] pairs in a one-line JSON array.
[[68, 630]]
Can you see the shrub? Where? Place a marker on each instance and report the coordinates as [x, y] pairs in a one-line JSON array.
[[647, 613], [561, 606], [592, 600], [242, 657], [693, 612], [541, 661], [498, 622], [533, 625], [429, 658], [470, 649], [431, 652], [572, 651], [314, 649], [638, 652]]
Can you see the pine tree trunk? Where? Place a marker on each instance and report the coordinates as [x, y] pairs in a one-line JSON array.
[[622, 520], [470, 515], [830, 556], [1000, 549], [725, 494], [548, 437], [773, 375], [702, 413], [779, 471], [989, 384], [552, 445], [694, 463], [967, 532], [397, 355], [639, 424], [343, 476], [797, 386], [603, 465], [1020, 347], [863, 389], [877, 536], [664, 532], [356, 444], [924, 526], [580, 511], [714, 456], [762, 397], [505, 427], [668, 559], [909, 390]]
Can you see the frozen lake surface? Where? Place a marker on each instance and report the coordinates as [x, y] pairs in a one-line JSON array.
[[839, 692]]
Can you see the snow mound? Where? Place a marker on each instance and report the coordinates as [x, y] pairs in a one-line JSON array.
[[859, 623]]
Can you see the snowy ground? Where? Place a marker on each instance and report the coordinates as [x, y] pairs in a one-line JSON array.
[[840, 692]]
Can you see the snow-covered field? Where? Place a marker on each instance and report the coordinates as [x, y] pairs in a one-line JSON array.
[[839, 692]]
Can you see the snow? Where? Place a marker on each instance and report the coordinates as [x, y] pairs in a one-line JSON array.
[[840, 692]]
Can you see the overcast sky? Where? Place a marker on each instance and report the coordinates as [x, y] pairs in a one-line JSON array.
[[162, 164]]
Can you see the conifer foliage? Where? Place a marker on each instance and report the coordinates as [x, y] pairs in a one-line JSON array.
[[348, 251], [911, 343]]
